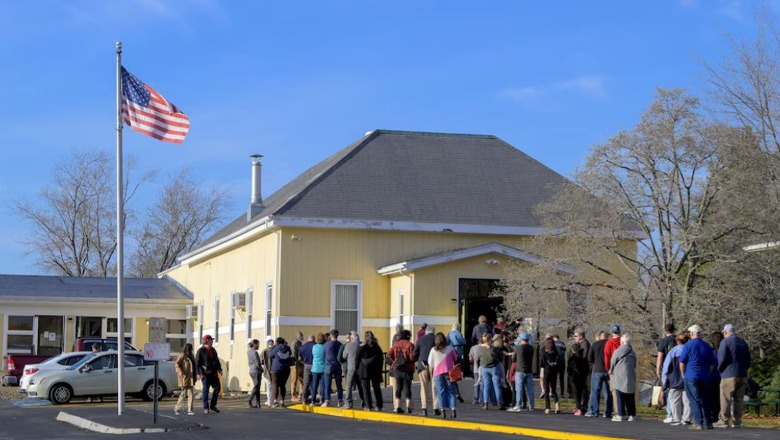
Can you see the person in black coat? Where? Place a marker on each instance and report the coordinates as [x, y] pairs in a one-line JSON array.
[[369, 370], [577, 367], [209, 369]]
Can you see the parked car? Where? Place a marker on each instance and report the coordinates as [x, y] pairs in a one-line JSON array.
[[55, 363], [86, 344], [96, 376], [13, 365]]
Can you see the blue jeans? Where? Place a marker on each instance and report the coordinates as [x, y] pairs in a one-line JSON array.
[[597, 381], [478, 386], [335, 373], [698, 396], [210, 381], [446, 390], [490, 376], [524, 382], [316, 382]]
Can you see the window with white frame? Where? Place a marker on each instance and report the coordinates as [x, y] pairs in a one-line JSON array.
[[20, 335], [401, 307], [112, 330], [216, 319], [269, 296], [233, 305], [346, 306], [176, 334], [249, 294], [200, 321]]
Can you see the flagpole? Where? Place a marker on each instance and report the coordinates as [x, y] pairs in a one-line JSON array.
[[120, 231]]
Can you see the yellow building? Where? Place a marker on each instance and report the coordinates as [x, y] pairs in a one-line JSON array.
[[398, 227]]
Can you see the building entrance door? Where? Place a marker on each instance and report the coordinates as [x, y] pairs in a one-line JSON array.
[[49, 337], [475, 300]]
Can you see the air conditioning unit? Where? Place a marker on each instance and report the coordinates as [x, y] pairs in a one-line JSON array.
[[239, 300], [192, 311]]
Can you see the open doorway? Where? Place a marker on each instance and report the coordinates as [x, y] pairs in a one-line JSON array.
[[474, 300]]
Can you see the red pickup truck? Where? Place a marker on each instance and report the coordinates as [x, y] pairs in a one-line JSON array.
[[13, 364]]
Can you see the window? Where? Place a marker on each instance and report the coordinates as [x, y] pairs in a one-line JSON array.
[[249, 294], [346, 306], [269, 295], [216, 319], [104, 362], [70, 360], [176, 334], [134, 360], [233, 304], [200, 321], [111, 329], [401, 307], [20, 335]]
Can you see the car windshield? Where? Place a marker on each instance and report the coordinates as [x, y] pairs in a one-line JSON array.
[[82, 362]]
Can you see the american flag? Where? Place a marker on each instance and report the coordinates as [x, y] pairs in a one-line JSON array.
[[148, 112]]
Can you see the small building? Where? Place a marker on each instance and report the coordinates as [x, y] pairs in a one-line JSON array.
[[396, 228], [43, 315]]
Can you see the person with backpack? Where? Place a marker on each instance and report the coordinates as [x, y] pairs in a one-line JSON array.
[[281, 359], [401, 356], [422, 349], [552, 363], [674, 384], [369, 369]]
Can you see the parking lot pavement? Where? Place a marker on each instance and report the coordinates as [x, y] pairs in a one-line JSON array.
[[234, 422]]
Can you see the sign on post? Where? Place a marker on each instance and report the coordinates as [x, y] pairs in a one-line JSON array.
[[157, 351]]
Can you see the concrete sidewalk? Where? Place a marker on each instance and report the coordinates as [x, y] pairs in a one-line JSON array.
[[106, 421]]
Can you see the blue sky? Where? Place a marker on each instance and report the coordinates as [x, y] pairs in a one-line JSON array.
[[299, 80]]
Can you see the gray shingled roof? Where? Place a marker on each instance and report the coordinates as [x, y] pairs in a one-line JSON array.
[[42, 286], [416, 177]]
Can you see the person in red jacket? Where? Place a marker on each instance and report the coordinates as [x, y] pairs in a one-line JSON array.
[[613, 343]]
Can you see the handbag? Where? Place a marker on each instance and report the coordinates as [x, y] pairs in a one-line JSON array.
[[658, 396], [456, 374]]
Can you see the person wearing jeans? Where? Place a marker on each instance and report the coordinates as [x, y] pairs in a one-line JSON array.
[[333, 369], [599, 378], [524, 358], [491, 378], [209, 368]]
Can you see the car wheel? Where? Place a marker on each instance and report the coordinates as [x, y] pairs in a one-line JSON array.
[[148, 391], [60, 394]]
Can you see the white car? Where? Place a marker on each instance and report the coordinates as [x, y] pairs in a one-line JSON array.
[[56, 363], [96, 376]]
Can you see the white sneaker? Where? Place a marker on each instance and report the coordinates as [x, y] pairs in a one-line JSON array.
[[630, 418], [617, 418], [514, 409], [668, 420]]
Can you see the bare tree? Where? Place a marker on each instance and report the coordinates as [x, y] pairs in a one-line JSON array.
[[180, 219], [73, 227], [634, 222]]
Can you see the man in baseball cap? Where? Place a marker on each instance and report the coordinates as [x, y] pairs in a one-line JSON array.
[[696, 361], [209, 370]]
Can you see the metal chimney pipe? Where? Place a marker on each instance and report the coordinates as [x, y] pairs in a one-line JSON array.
[[257, 197]]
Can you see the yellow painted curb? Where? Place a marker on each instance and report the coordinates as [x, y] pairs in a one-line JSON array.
[[430, 422]]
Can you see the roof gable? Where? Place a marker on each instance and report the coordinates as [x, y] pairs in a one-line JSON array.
[[462, 254]]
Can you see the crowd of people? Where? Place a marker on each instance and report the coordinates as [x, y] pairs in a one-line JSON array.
[[703, 381]]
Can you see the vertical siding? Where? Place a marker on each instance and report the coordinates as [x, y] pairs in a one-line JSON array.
[[2, 335]]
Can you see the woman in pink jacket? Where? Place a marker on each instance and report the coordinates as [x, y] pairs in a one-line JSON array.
[[441, 360]]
